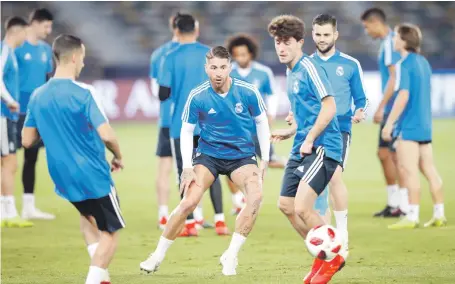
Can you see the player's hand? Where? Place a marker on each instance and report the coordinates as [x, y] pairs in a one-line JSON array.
[[187, 178], [281, 134], [13, 107], [290, 118], [359, 116], [378, 115], [307, 147], [387, 133], [116, 165], [263, 169]]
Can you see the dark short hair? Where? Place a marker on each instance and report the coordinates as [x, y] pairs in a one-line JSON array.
[[324, 19], [41, 15], [15, 22], [287, 26], [174, 19], [374, 13], [65, 44], [246, 40], [218, 52], [185, 23], [411, 35]]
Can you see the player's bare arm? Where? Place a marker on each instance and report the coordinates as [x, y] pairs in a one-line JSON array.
[[109, 138], [328, 111], [388, 93], [283, 134], [397, 110], [30, 137]]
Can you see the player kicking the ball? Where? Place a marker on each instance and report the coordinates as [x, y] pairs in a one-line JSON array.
[[225, 109], [316, 154]]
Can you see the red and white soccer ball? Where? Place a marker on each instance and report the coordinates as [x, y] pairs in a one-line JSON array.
[[324, 242]]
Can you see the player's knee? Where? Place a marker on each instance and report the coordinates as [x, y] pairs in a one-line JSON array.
[[286, 207], [302, 211], [9, 166], [187, 206], [383, 154]]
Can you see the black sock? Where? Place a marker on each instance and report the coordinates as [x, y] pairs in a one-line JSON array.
[[28, 172], [216, 196]]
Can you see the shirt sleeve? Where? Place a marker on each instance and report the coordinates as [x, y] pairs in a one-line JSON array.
[[191, 111], [391, 57], [154, 65], [256, 105], [30, 117], [4, 61], [94, 110], [269, 87], [50, 60], [318, 81], [358, 88], [166, 71], [402, 75]]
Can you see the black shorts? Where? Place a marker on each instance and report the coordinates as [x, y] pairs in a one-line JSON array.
[[315, 169], [346, 145], [222, 166], [382, 142], [20, 125], [163, 148], [393, 143], [8, 136], [105, 210], [257, 149]]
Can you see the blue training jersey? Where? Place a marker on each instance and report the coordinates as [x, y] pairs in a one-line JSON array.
[[258, 75], [10, 78], [225, 121], [346, 77], [67, 114], [183, 69], [414, 75], [307, 85], [387, 57], [35, 62], [155, 65]]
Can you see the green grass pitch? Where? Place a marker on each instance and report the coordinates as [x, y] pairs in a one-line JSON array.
[[54, 252]]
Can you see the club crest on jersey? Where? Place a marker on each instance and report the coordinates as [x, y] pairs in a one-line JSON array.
[[28, 56], [238, 108], [44, 57], [296, 88], [340, 71]]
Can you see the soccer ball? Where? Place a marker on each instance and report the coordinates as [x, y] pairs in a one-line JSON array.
[[324, 242]]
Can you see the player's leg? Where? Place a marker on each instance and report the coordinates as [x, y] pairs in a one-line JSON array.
[[164, 154], [408, 161], [10, 217], [286, 201], [403, 198], [176, 221], [189, 229], [390, 174], [216, 195], [428, 168], [247, 178]]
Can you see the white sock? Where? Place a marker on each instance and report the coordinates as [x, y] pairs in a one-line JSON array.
[[413, 213], [393, 199], [2, 207], [10, 206], [438, 211], [163, 211], [341, 219], [96, 275], [404, 200], [237, 199], [236, 243], [219, 217], [198, 216], [92, 249], [29, 201], [162, 247]]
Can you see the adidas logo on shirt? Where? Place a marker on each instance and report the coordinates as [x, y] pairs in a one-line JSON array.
[[300, 169], [212, 111]]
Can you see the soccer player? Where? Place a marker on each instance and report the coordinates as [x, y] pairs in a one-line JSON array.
[[68, 117], [374, 22], [34, 58], [244, 50], [346, 78], [182, 70], [163, 151], [411, 113], [9, 88], [317, 151], [224, 108]]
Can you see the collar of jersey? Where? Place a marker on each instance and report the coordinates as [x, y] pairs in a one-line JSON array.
[[298, 65], [337, 52]]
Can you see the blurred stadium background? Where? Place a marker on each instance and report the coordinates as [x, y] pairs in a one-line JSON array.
[[120, 37]]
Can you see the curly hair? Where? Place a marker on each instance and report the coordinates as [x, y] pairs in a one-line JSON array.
[[243, 39], [287, 26]]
